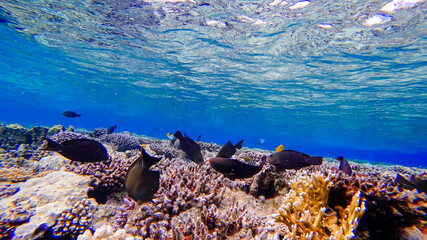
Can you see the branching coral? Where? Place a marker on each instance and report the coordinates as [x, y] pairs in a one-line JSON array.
[[305, 206], [390, 209]]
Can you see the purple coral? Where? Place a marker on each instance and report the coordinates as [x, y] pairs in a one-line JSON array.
[[121, 142]]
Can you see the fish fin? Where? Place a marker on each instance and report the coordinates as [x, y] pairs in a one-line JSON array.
[[178, 134], [148, 160], [79, 115], [239, 144], [263, 160], [51, 145]]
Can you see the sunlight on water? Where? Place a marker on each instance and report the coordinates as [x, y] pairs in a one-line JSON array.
[[348, 73]]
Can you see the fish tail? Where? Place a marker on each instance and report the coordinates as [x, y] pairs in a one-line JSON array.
[[239, 145], [51, 145], [78, 115]]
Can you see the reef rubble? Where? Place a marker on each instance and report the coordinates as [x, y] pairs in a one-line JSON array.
[[46, 196]]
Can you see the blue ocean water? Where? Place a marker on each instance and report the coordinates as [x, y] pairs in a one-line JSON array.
[[321, 79]]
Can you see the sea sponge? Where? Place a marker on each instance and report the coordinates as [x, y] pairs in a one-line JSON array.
[[305, 206]]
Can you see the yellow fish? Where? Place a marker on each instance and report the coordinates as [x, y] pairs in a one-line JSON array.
[[280, 148]]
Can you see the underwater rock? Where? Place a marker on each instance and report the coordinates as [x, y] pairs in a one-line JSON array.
[[43, 199], [55, 130], [12, 136]]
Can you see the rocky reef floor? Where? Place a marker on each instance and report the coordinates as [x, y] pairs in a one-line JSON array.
[[46, 196]]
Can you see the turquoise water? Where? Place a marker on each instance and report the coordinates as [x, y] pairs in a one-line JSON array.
[[226, 70]]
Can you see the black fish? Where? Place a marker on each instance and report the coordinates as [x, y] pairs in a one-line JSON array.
[[344, 165], [191, 149], [70, 114], [140, 182], [229, 149], [111, 129], [289, 159], [415, 183], [199, 137], [81, 150], [234, 169]]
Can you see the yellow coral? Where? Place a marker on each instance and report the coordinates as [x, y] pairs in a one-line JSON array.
[[304, 210]]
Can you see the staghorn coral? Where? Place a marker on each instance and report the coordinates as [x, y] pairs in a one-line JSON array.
[[120, 141], [305, 206]]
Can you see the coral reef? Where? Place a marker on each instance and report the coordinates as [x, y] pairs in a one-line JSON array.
[[34, 208], [107, 176], [120, 141], [98, 132], [11, 136], [164, 148], [65, 136], [389, 208], [305, 210], [38, 199], [73, 221]]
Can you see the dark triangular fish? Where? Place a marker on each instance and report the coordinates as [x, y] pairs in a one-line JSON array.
[[289, 159], [415, 183], [199, 137], [234, 169], [191, 149], [111, 129], [229, 149], [344, 165], [141, 184], [70, 114], [81, 150]]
